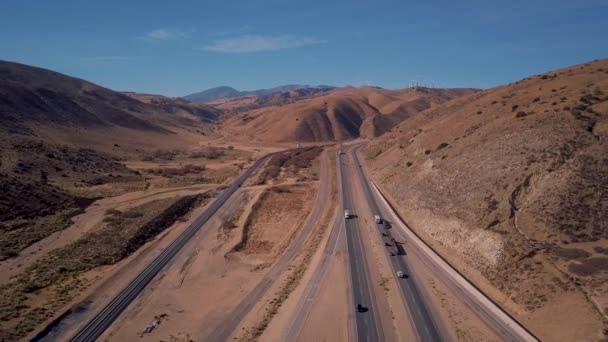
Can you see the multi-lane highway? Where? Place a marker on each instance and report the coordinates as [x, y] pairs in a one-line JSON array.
[[104, 318], [482, 307], [424, 324], [369, 325]]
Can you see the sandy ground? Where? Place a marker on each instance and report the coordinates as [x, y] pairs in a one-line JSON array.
[[328, 317], [285, 276], [206, 271], [184, 290], [89, 221], [109, 280]]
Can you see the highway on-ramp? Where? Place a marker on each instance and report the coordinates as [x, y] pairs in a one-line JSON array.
[[94, 328]]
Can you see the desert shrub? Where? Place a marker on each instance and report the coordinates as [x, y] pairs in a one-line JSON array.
[[132, 214], [427, 152], [580, 107], [113, 212], [281, 189], [514, 107], [160, 155], [536, 99], [570, 253], [169, 172], [409, 163], [589, 266], [208, 153], [442, 145], [520, 114]]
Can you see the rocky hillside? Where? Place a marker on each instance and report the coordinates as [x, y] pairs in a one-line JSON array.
[[224, 92], [33, 97], [182, 108], [511, 185], [341, 114]]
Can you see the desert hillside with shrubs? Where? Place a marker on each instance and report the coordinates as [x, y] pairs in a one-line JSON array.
[[342, 114], [511, 185]]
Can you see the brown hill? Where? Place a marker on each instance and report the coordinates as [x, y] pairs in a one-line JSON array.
[[236, 105], [180, 107], [62, 140], [341, 114], [511, 185], [31, 95]]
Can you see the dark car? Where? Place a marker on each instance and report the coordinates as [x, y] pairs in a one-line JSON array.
[[361, 308]]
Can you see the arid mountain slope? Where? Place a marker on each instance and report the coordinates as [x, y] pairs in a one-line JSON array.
[[57, 108], [224, 92], [180, 107], [341, 114], [511, 185], [30, 95], [233, 106]]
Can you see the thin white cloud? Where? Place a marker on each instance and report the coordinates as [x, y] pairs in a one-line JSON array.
[[109, 58], [166, 35], [257, 43]]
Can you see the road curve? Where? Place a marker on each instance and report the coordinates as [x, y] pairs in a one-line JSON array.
[[94, 328]]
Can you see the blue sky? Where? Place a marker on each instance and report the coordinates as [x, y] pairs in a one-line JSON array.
[[179, 47]]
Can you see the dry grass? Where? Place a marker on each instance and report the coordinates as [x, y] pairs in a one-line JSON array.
[[169, 172], [53, 281], [292, 162]]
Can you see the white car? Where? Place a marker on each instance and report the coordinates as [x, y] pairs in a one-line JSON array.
[[378, 219], [401, 274], [346, 214]]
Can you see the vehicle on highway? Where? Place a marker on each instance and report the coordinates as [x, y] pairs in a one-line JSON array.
[[387, 225], [347, 214], [401, 274], [361, 308], [377, 219]]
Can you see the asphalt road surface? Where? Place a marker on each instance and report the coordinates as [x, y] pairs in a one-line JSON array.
[[424, 323], [486, 310], [369, 326], [103, 319]]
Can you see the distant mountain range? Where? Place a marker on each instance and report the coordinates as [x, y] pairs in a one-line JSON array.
[[228, 92]]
